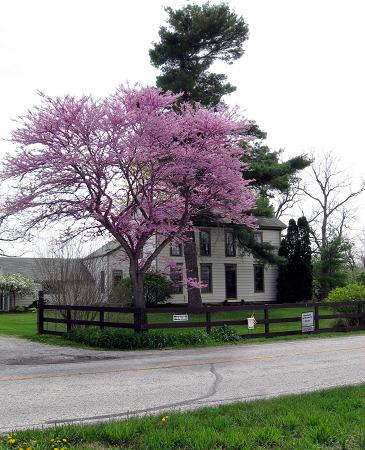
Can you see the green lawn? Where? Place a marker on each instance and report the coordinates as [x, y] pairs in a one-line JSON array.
[[331, 419]]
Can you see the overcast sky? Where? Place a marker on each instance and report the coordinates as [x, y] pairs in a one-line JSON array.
[[302, 77]]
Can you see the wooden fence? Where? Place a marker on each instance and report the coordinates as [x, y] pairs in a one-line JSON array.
[[140, 322]]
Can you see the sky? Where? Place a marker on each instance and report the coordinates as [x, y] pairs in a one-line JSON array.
[[301, 77]]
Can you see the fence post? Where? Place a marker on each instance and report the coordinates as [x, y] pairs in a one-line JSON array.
[[360, 311], [316, 318], [266, 318], [68, 318], [101, 319], [208, 319], [40, 313]]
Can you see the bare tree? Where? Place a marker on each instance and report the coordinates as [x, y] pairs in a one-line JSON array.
[[331, 193], [67, 280]]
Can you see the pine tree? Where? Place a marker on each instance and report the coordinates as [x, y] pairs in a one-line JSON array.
[[295, 278], [305, 278]]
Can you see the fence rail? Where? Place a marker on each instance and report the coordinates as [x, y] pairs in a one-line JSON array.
[[142, 323]]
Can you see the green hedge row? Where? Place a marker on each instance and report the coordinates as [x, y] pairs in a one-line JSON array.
[[129, 340]]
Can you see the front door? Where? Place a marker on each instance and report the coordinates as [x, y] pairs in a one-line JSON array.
[[231, 281]]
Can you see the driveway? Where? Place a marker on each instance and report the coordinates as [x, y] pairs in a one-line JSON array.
[[42, 385]]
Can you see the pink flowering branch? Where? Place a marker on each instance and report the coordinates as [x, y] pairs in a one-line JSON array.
[[130, 164]]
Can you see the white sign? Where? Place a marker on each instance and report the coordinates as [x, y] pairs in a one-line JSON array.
[[251, 322], [180, 317], [307, 322]]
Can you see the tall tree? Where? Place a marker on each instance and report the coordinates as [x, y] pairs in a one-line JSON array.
[[128, 164], [195, 38], [295, 278], [331, 191]]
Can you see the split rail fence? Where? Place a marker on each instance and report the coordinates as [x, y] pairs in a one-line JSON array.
[[139, 317]]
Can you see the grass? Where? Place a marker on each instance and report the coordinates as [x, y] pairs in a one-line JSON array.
[[23, 325], [331, 419]]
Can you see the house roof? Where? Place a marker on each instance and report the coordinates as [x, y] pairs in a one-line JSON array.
[[35, 268], [107, 248], [270, 223]]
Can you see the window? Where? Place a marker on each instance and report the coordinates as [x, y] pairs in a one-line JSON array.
[[102, 281], [230, 243], [175, 249], [206, 278], [258, 236], [176, 277], [204, 243], [231, 280], [117, 276], [258, 278]]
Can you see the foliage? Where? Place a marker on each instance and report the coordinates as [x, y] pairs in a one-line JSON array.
[[330, 267], [261, 251], [195, 38], [329, 419], [130, 164], [18, 284], [295, 279], [129, 340], [225, 334], [348, 293], [157, 289]]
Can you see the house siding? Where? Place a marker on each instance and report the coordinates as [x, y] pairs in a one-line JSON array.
[[218, 259]]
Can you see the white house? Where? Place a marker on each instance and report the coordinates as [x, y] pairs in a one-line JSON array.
[[228, 274]]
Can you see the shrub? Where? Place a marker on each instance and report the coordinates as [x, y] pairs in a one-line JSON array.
[[351, 292], [157, 289], [20, 309], [153, 339], [225, 334]]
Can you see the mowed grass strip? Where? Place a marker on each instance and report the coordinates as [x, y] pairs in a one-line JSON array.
[[330, 419]]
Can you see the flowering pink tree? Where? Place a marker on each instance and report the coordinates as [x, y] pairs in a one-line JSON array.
[[130, 164]]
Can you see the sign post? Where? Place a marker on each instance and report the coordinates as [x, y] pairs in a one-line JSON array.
[[307, 322]]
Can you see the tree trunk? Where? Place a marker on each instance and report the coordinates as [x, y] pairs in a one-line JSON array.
[[137, 280], [191, 264]]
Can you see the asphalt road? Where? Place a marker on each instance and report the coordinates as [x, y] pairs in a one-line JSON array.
[[43, 385]]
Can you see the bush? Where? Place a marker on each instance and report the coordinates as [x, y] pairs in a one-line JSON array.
[[153, 339], [20, 309], [351, 292], [157, 289], [225, 334]]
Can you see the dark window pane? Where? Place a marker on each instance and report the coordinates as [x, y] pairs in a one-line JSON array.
[[176, 249], [205, 243], [231, 281], [206, 278], [230, 243], [258, 237], [102, 281], [117, 277], [177, 278], [259, 278]]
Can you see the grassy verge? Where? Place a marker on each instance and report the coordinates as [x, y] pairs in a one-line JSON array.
[[331, 419]]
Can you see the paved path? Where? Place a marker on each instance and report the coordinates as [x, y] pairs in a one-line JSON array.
[[43, 385]]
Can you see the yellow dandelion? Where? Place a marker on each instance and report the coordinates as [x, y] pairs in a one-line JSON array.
[[11, 441]]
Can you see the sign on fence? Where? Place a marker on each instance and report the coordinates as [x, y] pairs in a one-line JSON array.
[[307, 322], [251, 322], [180, 317]]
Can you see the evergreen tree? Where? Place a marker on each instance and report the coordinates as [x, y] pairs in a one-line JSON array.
[[295, 278], [198, 36], [305, 279], [194, 38]]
